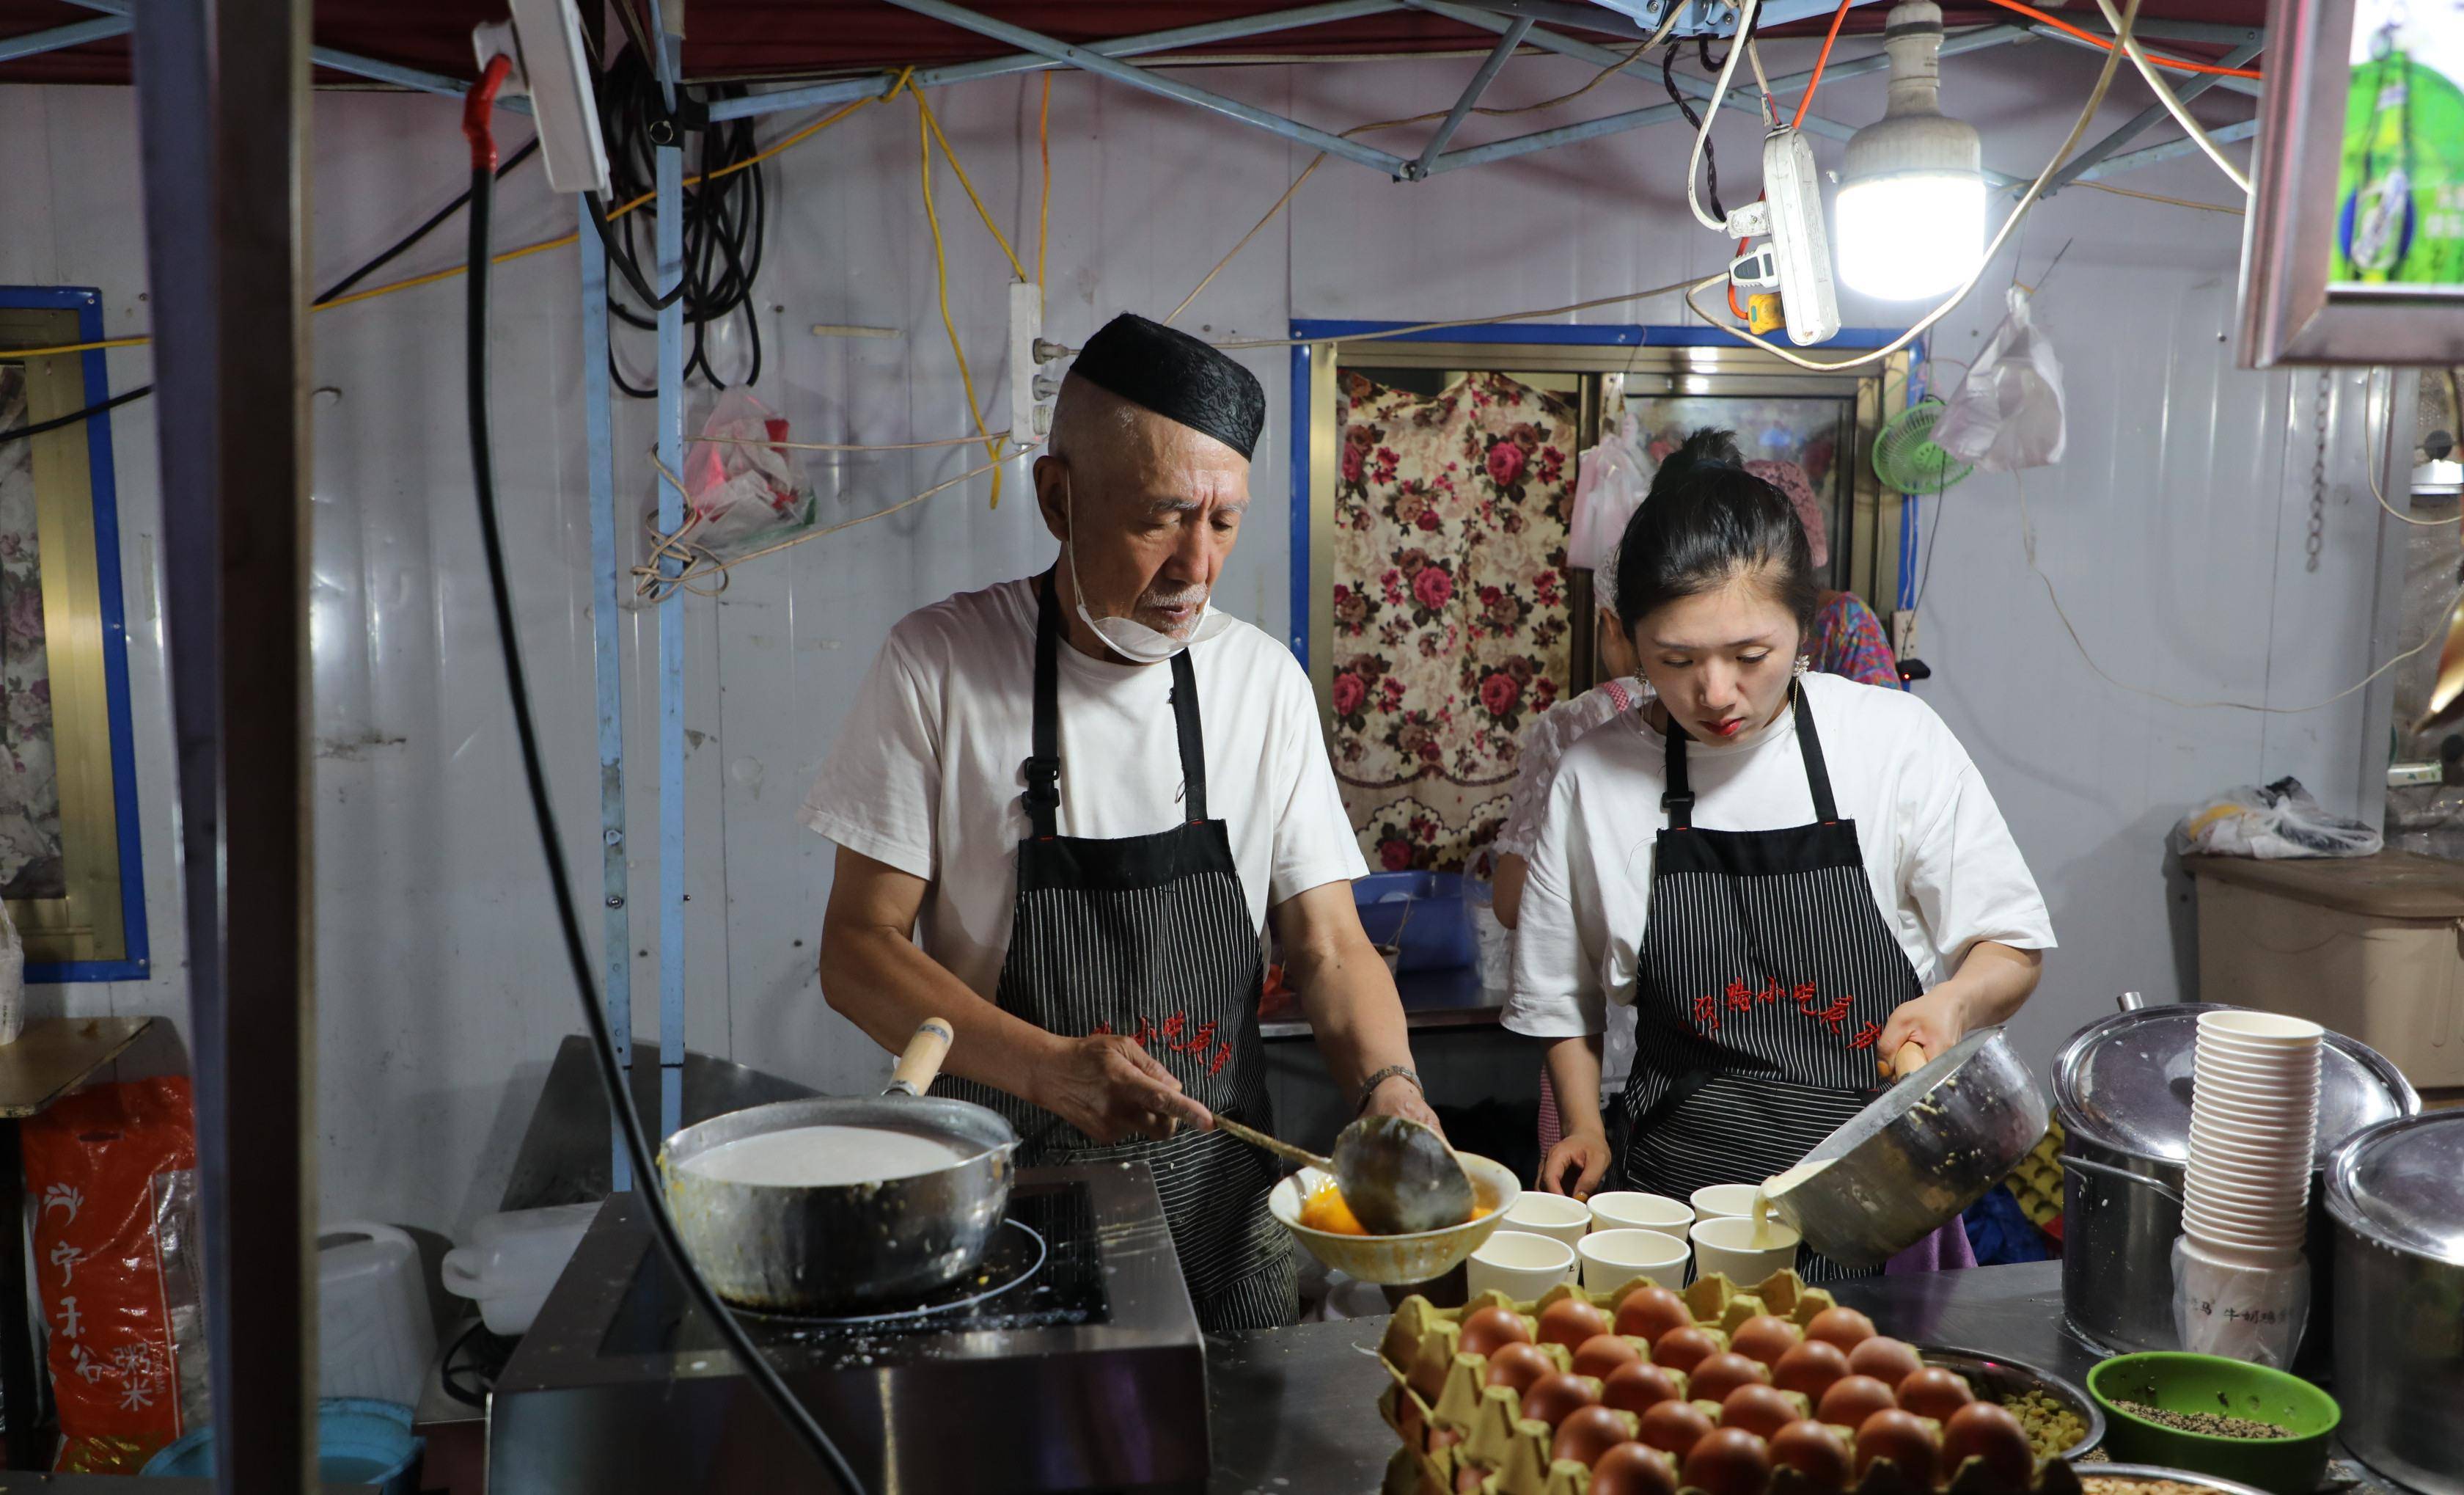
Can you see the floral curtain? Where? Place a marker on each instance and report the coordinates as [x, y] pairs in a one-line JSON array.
[[1449, 606], [31, 860]]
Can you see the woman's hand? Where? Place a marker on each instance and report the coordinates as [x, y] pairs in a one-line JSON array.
[[1934, 1023], [1576, 1164]]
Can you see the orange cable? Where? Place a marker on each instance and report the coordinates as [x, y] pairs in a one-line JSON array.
[[2177, 64]]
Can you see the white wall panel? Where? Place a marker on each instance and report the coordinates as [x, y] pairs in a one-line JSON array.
[[2173, 530]]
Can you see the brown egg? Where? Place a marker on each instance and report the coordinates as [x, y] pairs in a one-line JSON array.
[[1728, 1461], [1589, 1432], [1889, 1361], [1757, 1408], [1491, 1326], [1570, 1320], [1766, 1338], [1982, 1430], [1718, 1374], [1601, 1354], [1634, 1469], [1845, 1327], [1811, 1369], [1649, 1312], [1932, 1391], [1903, 1439], [1637, 1388], [1553, 1396], [1675, 1427], [1815, 1452], [1852, 1399], [1683, 1348], [1518, 1366]]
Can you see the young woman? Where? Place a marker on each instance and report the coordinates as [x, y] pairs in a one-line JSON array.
[[1788, 875]]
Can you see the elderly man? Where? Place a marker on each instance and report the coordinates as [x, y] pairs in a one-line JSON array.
[[1066, 806]]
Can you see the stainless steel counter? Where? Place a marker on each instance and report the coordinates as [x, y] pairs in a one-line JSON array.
[[1295, 1409]]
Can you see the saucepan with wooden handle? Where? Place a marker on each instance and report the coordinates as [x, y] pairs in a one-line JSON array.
[[806, 1233]]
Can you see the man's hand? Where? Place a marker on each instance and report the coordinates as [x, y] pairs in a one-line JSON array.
[[1934, 1023], [1397, 1096], [1576, 1164], [1109, 1087]]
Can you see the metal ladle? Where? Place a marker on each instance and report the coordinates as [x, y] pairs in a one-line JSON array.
[[1398, 1177]]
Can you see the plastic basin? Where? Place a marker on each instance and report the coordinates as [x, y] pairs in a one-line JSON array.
[[1436, 935], [2178, 1381], [358, 1443]]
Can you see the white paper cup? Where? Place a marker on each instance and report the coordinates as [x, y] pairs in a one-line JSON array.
[[2244, 1026], [1519, 1264], [1716, 1200], [2234, 1254], [2233, 1123], [2253, 1226], [2241, 1081], [1726, 1245], [1613, 1258], [2235, 1144], [1551, 1215], [2256, 1206], [1627, 1210]]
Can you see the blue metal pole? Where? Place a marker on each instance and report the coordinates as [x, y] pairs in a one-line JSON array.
[[1102, 66], [664, 63], [670, 169], [77, 34], [598, 423], [1917, 353], [2240, 86], [848, 90]]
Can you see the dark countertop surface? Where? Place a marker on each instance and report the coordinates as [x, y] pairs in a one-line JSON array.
[[1295, 1409]]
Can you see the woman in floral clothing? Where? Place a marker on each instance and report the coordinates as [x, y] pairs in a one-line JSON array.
[[1846, 638]]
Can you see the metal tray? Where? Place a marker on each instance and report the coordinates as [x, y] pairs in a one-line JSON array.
[[2149, 1471], [2000, 1376]]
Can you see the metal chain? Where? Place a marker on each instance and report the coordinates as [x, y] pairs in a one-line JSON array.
[[2317, 539]]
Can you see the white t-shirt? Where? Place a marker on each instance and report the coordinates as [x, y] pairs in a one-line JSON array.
[[930, 764], [1943, 869]]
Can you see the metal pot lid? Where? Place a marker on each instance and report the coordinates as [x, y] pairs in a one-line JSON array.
[[2125, 1083], [2401, 1184]]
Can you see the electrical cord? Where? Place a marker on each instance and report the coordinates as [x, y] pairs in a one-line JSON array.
[[2177, 64], [1712, 111], [2173, 105], [1702, 138], [724, 213], [774, 1388], [2018, 214]]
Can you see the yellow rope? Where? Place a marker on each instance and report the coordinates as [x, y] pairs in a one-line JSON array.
[[925, 111], [941, 285]]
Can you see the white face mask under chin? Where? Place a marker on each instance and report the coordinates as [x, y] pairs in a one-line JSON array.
[[1132, 639]]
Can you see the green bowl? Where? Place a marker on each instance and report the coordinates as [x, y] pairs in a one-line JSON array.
[[2179, 1382]]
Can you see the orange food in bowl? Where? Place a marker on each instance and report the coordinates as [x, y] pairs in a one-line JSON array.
[[1322, 1209]]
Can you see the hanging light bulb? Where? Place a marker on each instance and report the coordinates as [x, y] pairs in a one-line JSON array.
[[1912, 201]]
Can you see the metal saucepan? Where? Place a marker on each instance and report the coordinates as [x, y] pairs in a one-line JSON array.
[[1927, 1149], [842, 1248]]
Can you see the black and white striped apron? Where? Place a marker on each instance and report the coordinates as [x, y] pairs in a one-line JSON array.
[[1767, 972], [1151, 937]]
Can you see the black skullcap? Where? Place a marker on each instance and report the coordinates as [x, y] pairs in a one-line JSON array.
[[1177, 377]]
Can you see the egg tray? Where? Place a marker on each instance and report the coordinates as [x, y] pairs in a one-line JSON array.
[[1471, 1438]]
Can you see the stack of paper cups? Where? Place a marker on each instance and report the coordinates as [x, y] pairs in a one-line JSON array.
[[2254, 1130]]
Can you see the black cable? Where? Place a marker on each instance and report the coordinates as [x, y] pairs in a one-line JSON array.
[[400, 246], [1668, 80], [436, 220], [765, 1375], [74, 416], [724, 219]]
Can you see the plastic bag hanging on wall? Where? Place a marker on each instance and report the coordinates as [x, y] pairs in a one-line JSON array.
[[1610, 483], [2007, 412]]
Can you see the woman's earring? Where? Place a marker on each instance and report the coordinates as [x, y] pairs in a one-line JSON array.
[[1804, 663]]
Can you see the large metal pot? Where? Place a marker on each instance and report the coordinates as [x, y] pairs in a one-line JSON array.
[[2122, 1089], [2396, 1192], [1927, 1149], [845, 1248]]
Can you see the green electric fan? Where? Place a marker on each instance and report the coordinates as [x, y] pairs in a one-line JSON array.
[[1906, 457]]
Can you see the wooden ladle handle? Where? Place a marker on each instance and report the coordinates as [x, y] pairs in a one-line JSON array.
[[921, 1064], [1910, 1058]]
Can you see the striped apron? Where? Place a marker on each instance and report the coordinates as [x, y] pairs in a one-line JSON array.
[[1767, 972], [1151, 937]]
